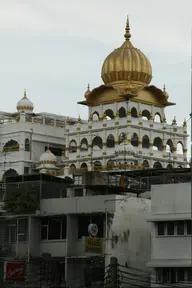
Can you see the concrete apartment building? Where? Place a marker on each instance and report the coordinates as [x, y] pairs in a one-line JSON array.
[[171, 236], [57, 228]]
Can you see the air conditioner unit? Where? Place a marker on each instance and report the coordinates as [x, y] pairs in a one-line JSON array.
[[34, 166]]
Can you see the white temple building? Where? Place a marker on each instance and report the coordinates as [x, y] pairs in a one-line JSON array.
[[48, 163], [24, 135], [125, 110]]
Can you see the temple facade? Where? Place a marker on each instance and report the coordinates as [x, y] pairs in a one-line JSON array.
[[127, 126]]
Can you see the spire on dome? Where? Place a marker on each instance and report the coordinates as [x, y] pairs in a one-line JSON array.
[[47, 146], [88, 91], [25, 94], [127, 30], [25, 105], [165, 92]]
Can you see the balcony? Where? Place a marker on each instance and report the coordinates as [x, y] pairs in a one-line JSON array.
[[77, 205], [81, 249], [57, 248], [96, 125], [14, 249]]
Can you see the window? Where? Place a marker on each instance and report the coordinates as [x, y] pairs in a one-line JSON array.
[[27, 145], [53, 229], [173, 275], [180, 228], [78, 192], [159, 275], [161, 228], [181, 274], [23, 229], [26, 170], [78, 180], [170, 228], [188, 224], [44, 229], [12, 233], [189, 274], [165, 275]]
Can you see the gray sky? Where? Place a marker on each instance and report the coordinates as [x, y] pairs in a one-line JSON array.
[[54, 48]]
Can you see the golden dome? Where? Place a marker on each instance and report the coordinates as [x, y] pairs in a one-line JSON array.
[[165, 92], [87, 92], [127, 68]]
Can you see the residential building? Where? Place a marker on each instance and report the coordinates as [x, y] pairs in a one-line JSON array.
[[54, 226], [171, 241]]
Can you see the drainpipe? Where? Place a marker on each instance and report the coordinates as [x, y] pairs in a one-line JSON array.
[[30, 155], [29, 238]]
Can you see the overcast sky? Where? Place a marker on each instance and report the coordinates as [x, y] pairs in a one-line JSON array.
[[54, 48]]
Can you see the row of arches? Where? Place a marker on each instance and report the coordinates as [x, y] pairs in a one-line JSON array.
[[111, 163], [146, 115], [13, 145], [97, 143]]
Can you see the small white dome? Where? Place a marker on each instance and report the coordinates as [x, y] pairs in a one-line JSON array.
[[48, 158], [25, 105], [125, 148]]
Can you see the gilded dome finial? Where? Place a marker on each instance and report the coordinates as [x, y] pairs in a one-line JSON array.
[[88, 91], [127, 30], [165, 92]]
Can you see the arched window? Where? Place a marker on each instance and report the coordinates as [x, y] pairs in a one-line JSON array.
[[146, 164], [157, 165], [158, 144], [95, 116], [135, 140], [169, 166], [157, 117], [169, 146], [72, 146], [10, 173], [145, 141], [110, 164], [179, 166], [97, 143], [179, 147], [122, 137], [145, 115], [84, 145], [84, 167], [134, 112], [109, 114], [11, 146], [97, 165], [27, 145], [72, 168], [122, 112], [110, 141]]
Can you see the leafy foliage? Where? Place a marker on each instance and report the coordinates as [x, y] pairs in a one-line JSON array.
[[20, 201]]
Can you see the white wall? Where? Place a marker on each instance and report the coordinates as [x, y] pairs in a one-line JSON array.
[[171, 201], [130, 219], [86, 204]]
